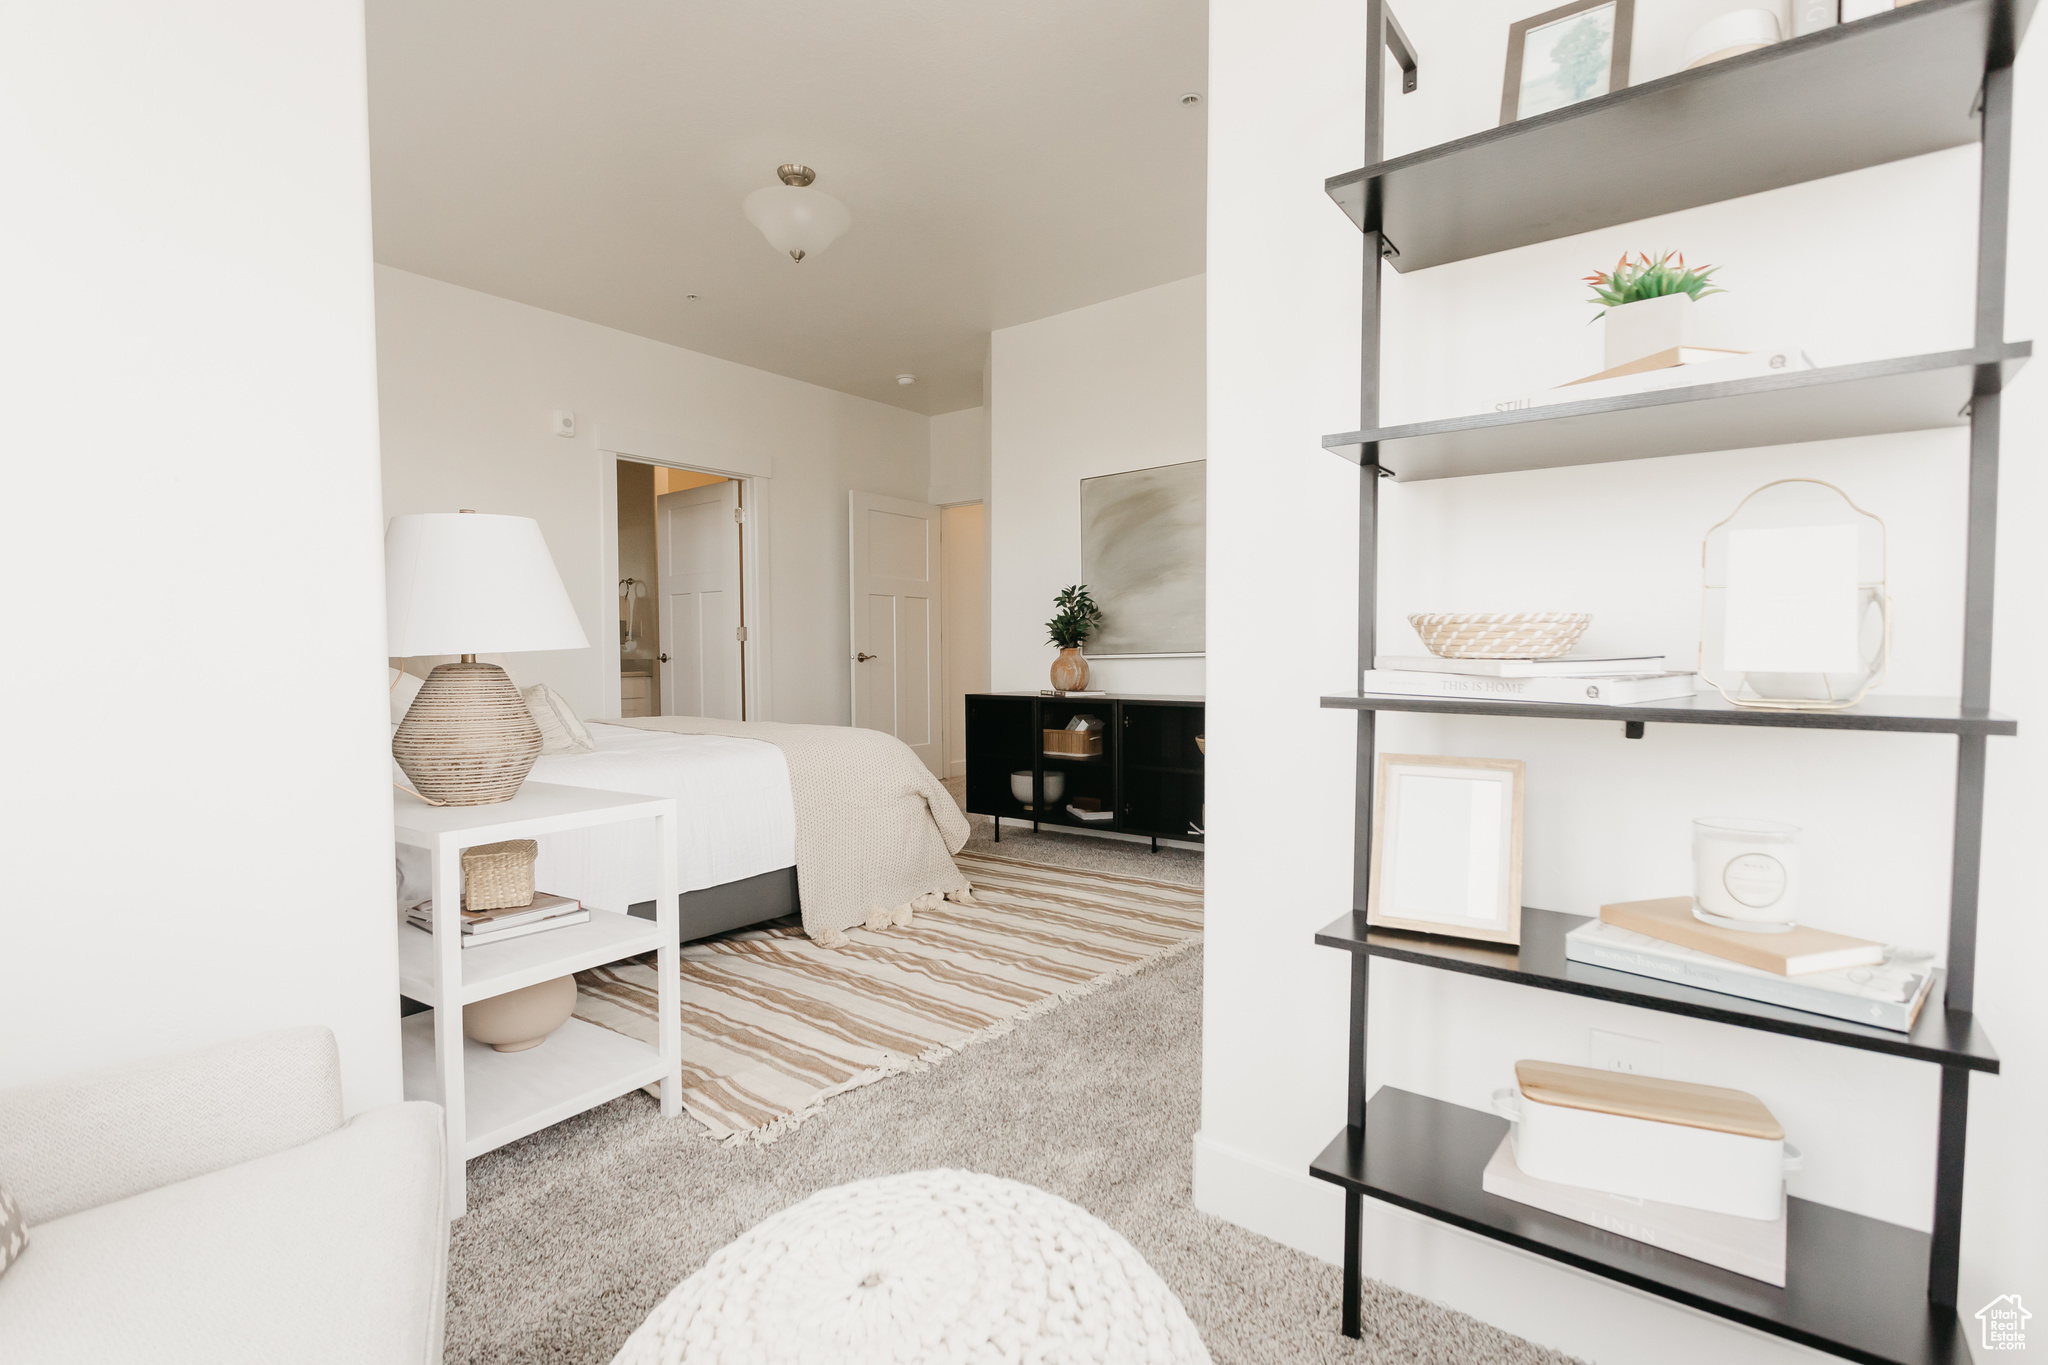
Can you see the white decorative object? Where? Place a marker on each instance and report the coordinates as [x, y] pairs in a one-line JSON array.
[[1500, 634], [794, 217], [936, 1267], [1055, 785], [1647, 326], [1811, 16], [1447, 847], [1745, 873], [1747, 1246], [490, 1097], [1702, 1147], [1852, 10], [461, 583], [1730, 35], [1795, 610]]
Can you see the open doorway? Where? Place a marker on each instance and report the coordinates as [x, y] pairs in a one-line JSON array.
[[963, 558], [682, 598]]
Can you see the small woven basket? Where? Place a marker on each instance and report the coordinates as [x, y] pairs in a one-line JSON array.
[[498, 876], [1500, 635]]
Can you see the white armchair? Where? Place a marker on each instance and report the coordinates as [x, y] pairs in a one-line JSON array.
[[213, 1208]]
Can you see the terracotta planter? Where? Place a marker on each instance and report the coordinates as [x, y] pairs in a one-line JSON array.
[[1070, 670]]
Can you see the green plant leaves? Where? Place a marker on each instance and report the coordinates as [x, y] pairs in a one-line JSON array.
[[1076, 619], [1643, 278]]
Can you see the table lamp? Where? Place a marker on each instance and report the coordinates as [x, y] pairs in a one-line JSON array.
[[468, 584]]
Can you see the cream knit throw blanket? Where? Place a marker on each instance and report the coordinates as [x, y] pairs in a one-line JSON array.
[[875, 832]]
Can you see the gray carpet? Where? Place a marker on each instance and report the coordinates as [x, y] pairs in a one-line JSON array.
[[574, 1234]]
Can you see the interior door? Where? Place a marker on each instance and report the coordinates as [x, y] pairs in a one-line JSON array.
[[895, 592], [698, 578]]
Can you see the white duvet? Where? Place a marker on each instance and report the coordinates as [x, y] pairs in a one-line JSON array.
[[735, 818]]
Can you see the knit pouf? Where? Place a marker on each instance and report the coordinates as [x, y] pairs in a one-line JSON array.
[[935, 1268]]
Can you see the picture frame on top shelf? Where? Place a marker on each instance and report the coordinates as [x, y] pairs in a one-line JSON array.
[[1566, 55], [1447, 847]]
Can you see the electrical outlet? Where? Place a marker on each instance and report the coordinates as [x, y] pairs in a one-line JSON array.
[[1619, 1052]]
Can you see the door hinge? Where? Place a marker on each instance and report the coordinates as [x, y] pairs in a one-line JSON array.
[[740, 633], [739, 514]]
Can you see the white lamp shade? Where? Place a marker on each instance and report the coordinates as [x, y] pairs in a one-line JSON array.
[[797, 218], [470, 583]]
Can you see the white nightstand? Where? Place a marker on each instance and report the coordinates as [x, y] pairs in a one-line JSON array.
[[492, 1098]]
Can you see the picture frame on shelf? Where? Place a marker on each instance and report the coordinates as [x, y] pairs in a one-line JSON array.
[[1566, 55], [1447, 847]]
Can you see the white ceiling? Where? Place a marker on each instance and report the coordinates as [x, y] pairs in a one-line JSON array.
[[1003, 162]]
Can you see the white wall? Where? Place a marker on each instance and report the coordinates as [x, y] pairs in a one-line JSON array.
[[1606, 818], [1100, 390], [468, 383], [198, 822], [959, 457]]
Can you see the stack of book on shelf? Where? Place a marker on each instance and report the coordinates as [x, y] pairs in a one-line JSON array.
[[1573, 679], [1802, 969], [1679, 367], [496, 926]]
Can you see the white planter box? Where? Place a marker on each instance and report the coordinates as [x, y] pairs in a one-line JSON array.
[[1648, 326], [1747, 1246], [1670, 1159]]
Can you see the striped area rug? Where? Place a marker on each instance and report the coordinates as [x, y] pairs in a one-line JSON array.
[[774, 1025]]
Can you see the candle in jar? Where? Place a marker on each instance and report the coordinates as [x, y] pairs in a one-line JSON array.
[[1746, 870]]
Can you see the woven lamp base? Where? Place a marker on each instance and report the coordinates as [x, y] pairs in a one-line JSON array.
[[468, 739]]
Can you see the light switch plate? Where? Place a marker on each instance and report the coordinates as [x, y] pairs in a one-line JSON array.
[[565, 422], [1619, 1052]]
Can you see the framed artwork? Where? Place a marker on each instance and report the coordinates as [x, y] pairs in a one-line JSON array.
[[1447, 847], [1144, 557], [1562, 56]]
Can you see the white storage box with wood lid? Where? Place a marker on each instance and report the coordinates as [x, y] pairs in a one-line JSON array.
[[1648, 1138]]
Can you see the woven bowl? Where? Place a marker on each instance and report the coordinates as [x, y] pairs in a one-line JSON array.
[[1500, 635]]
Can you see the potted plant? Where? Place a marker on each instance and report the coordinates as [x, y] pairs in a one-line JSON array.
[[1075, 617], [1648, 304]]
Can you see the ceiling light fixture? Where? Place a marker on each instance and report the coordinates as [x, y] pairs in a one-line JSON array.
[[794, 217], [906, 379]]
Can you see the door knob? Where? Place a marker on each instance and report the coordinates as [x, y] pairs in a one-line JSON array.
[[863, 658], [663, 658]]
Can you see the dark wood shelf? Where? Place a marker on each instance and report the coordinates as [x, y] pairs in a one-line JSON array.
[[1162, 768], [1904, 715], [1873, 398], [1938, 1036], [1899, 84], [1855, 1286]]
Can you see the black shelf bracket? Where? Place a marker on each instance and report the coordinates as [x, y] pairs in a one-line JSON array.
[[1632, 729], [1404, 52]]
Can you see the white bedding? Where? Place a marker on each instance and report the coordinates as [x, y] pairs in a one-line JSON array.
[[735, 818]]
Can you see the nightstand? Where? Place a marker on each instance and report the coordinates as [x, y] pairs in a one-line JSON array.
[[491, 1098]]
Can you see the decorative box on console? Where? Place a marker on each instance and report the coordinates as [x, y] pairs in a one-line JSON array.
[[1699, 1146], [1074, 743]]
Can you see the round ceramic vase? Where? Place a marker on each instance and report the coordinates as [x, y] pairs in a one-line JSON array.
[[518, 1020]]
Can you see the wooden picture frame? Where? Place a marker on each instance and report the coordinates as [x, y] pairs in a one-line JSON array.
[[1518, 101], [1447, 847]]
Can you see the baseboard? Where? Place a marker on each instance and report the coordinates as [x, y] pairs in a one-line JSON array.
[[1528, 1295]]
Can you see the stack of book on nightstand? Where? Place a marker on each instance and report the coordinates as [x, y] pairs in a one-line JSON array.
[[496, 926], [1802, 969], [1573, 679]]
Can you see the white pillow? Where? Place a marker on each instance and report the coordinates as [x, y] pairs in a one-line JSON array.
[[560, 731], [404, 687]]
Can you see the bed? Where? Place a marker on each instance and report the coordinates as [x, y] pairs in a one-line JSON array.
[[829, 822]]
